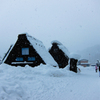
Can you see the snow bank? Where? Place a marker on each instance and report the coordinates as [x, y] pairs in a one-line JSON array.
[[45, 82], [10, 88], [48, 70], [15, 81]]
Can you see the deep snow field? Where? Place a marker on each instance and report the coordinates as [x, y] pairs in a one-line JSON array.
[[45, 82]]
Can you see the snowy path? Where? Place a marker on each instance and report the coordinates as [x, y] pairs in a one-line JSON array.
[[79, 87], [88, 86], [47, 83]]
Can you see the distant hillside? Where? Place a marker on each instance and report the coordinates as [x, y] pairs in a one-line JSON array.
[[91, 53]]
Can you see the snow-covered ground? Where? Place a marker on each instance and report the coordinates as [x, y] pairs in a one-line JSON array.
[[45, 82]]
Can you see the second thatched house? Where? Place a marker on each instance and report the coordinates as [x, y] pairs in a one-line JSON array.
[[60, 53]]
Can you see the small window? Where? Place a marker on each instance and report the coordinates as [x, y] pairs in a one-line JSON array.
[[25, 51], [19, 59], [31, 58]]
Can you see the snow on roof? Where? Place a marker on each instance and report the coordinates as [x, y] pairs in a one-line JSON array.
[[75, 56], [62, 47], [57, 42], [41, 50], [65, 50]]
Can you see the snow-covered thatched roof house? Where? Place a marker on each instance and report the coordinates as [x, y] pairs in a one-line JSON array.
[[60, 53], [28, 50]]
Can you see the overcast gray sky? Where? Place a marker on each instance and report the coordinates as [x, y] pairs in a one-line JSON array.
[[75, 23]]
